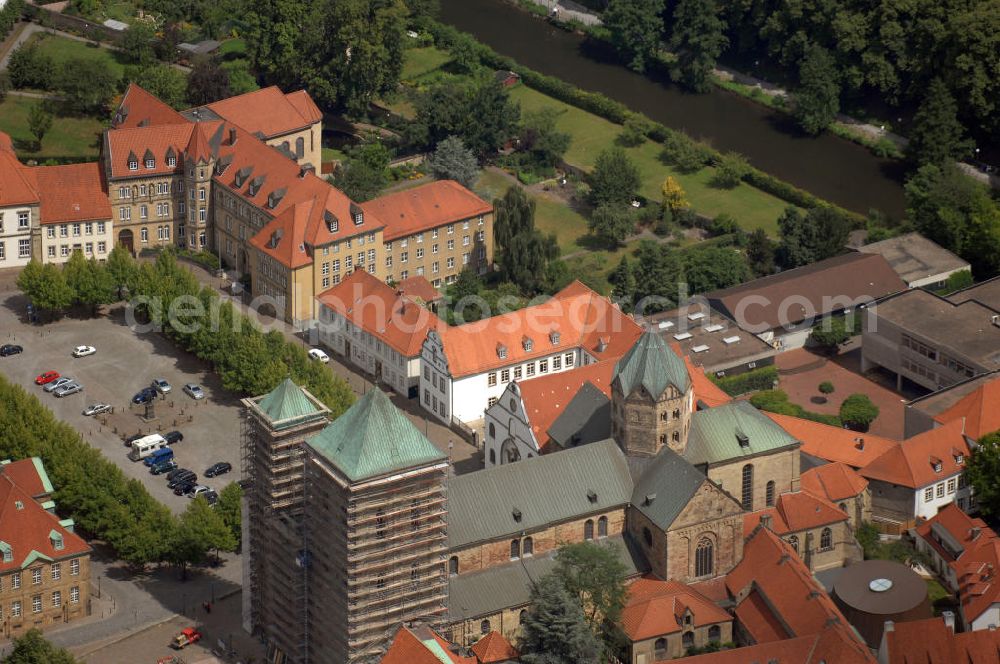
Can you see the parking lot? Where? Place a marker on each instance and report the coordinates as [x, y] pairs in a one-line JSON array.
[[124, 363]]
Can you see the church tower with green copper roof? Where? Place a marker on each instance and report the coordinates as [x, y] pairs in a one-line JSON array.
[[651, 398]]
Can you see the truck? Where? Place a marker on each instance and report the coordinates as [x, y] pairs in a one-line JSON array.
[[186, 637]]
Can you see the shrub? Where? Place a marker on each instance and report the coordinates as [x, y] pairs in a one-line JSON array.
[[685, 154], [755, 380], [858, 411], [776, 401], [826, 387], [730, 170], [634, 132]]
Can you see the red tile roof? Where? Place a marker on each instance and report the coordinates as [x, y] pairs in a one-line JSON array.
[[28, 474], [656, 608], [133, 142], [911, 463], [6, 143], [833, 481], [493, 648], [25, 526], [379, 310], [16, 186], [583, 318], [834, 645], [788, 594], [545, 398], [834, 443], [980, 408], [139, 107], [283, 238], [269, 111], [428, 206], [419, 289], [417, 646], [931, 641], [794, 513], [74, 192], [976, 566]]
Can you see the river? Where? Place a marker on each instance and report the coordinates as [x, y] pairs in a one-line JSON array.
[[830, 167]]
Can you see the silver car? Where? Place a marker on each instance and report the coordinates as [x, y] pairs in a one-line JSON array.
[[161, 385], [194, 391], [58, 382], [97, 409], [67, 389]]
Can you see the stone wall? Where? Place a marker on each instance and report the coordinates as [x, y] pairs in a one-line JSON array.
[[780, 467], [21, 599], [710, 514], [642, 425], [644, 652]]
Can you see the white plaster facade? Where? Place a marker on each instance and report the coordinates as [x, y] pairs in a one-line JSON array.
[[508, 436], [15, 234], [927, 500], [94, 239]]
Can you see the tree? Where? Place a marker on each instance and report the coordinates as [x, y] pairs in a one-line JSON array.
[[200, 530], [513, 215], [818, 234], [826, 387], [594, 575], [555, 630], [936, 135], [658, 274], [46, 287], [39, 123], [480, 112], [731, 170], [465, 304], [615, 179], [633, 132], [622, 279], [207, 82], [983, 472], [121, 266], [611, 223], [858, 412], [274, 37], [365, 172], [714, 267], [229, 508], [760, 253], [453, 161], [522, 253], [697, 38], [137, 44], [86, 86], [636, 27], [165, 82], [817, 100], [31, 68], [830, 333], [673, 195], [352, 52], [958, 281], [540, 139], [32, 648]]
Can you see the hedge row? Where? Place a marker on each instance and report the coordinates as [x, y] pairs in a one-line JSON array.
[[448, 37], [755, 380], [9, 15], [776, 401]]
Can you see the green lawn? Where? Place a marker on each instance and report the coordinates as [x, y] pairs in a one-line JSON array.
[[591, 134], [422, 60], [936, 591], [232, 49], [331, 154], [61, 49], [68, 137], [550, 216]]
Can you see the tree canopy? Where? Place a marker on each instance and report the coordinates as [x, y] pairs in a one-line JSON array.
[[555, 629], [452, 160], [523, 253], [936, 136], [615, 178], [697, 37], [636, 28], [983, 471], [817, 99], [858, 411], [595, 575], [806, 238], [479, 112], [32, 648]]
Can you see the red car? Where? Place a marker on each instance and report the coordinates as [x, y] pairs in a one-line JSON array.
[[46, 377]]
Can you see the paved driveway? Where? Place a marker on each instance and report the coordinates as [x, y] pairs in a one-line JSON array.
[[126, 362]]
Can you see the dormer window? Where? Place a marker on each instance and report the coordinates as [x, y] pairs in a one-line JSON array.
[[8, 553], [133, 164], [359, 219], [357, 214], [501, 351], [56, 539], [554, 337], [936, 464], [150, 163], [527, 344], [171, 161], [332, 223]]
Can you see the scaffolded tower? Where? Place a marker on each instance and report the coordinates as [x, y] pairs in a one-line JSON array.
[[376, 532], [274, 429]]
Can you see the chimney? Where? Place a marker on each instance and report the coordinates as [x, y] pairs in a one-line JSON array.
[[765, 520], [949, 620], [232, 136], [602, 345], [860, 442], [890, 626], [974, 533]]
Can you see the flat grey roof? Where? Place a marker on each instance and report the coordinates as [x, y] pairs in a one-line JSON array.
[[964, 330], [914, 257], [710, 329], [986, 293]]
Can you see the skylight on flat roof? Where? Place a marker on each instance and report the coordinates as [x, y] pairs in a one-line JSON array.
[[730, 340], [714, 327], [700, 348], [666, 324], [698, 315], [681, 336]]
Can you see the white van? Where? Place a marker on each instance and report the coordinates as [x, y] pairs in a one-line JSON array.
[[145, 446]]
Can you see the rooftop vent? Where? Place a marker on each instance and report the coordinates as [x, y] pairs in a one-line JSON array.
[[665, 324], [859, 442], [602, 345], [648, 500], [742, 439], [715, 327], [517, 515], [698, 315], [276, 237], [592, 496], [232, 135], [701, 348], [275, 197], [730, 340], [681, 336]]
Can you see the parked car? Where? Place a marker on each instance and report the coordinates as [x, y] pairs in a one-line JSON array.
[[319, 355], [84, 351], [10, 349], [97, 409], [181, 488], [134, 437], [46, 377], [58, 382], [175, 472], [182, 478], [173, 437], [187, 636], [194, 391], [211, 496], [163, 467], [198, 490], [67, 389], [161, 385], [145, 395], [220, 468]]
